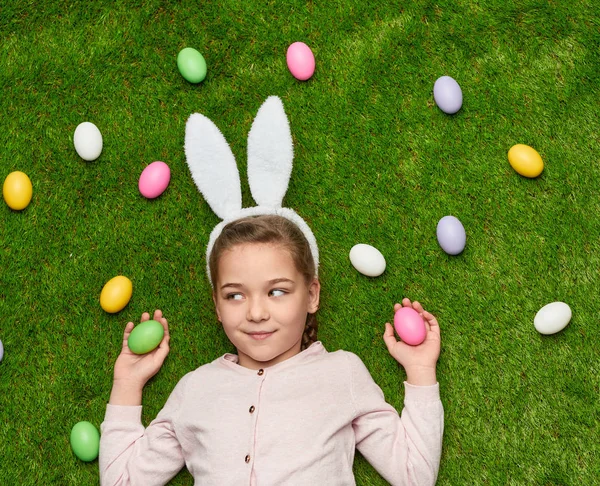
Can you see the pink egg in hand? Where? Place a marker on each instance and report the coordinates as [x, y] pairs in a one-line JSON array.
[[154, 179], [300, 61], [410, 326]]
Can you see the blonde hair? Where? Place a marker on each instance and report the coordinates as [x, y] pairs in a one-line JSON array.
[[270, 229]]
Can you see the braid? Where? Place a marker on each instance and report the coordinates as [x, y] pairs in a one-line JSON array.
[[310, 331]]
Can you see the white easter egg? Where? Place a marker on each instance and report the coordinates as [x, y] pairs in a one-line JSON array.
[[88, 141], [552, 318], [367, 259]]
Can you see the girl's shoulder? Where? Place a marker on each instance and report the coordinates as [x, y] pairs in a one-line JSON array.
[[344, 362]]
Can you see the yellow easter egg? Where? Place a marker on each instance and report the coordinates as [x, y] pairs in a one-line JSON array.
[[525, 160], [17, 190], [115, 294]]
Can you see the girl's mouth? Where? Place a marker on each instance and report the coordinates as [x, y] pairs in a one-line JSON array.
[[259, 336]]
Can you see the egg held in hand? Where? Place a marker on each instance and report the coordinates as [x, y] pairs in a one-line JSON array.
[[145, 337], [410, 326]]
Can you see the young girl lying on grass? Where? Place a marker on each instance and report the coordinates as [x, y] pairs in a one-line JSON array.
[[283, 410]]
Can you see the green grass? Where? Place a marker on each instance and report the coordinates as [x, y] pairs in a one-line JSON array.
[[375, 162]]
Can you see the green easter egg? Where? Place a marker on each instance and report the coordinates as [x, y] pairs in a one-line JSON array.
[[145, 337], [85, 441], [191, 64]]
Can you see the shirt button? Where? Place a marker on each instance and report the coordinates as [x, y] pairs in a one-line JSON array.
[[251, 409], [261, 372], [247, 459]]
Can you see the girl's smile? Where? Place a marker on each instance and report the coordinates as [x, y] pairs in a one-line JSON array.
[[262, 300]]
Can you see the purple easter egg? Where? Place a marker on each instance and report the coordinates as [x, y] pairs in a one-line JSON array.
[[447, 95], [451, 235]]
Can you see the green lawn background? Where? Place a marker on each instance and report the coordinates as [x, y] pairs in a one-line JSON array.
[[376, 162]]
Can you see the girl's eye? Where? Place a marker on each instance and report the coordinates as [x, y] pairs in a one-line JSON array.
[[234, 296], [278, 292]]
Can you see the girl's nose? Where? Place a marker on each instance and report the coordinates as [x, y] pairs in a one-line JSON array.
[[257, 311]]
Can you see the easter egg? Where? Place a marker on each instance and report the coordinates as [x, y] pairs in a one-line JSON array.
[[451, 235], [447, 95], [145, 337], [85, 441], [552, 318], [300, 61], [115, 294], [525, 160], [88, 141], [1, 351], [410, 326], [191, 65], [154, 179], [17, 190], [367, 259]]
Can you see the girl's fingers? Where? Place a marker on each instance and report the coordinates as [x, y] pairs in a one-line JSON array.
[[432, 322], [406, 302], [418, 307], [396, 307], [388, 337], [157, 315], [127, 332], [145, 317]]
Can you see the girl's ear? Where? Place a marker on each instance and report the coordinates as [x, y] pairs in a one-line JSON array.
[[314, 293]]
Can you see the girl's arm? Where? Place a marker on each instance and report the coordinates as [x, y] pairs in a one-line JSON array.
[[404, 449], [128, 452]]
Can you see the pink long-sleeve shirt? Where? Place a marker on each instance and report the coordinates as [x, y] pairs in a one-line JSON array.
[[295, 423]]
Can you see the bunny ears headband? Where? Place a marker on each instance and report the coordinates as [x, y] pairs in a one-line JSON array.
[[270, 155]]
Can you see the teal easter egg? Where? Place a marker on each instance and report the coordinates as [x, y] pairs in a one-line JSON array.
[[145, 337], [85, 441], [191, 64]]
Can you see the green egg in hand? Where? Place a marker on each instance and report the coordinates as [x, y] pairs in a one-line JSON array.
[[145, 337], [85, 441]]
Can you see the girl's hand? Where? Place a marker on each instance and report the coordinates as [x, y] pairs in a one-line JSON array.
[[418, 361], [134, 370]]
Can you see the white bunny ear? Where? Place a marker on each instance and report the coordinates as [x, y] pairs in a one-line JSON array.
[[270, 154], [213, 166]]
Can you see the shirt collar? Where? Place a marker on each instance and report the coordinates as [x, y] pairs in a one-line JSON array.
[[230, 360]]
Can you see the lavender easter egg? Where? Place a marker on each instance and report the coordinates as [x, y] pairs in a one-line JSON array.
[[451, 235], [447, 95], [410, 326], [300, 61], [154, 179]]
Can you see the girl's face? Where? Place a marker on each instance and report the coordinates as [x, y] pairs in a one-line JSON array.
[[262, 301]]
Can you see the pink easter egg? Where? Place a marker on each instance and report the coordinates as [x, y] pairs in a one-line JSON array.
[[300, 61], [410, 326], [154, 179]]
